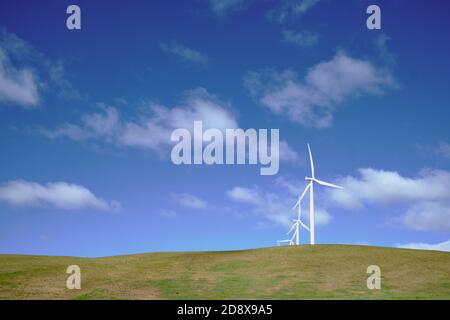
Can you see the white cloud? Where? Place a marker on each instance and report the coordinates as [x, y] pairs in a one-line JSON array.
[[190, 201], [61, 195], [390, 187], [294, 187], [269, 205], [283, 10], [58, 79], [301, 39], [321, 216], [428, 215], [184, 53], [425, 197], [312, 102], [380, 43], [153, 129], [26, 73], [154, 132], [443, 150], [44, 238], [288, 154], [168, 214], [66, 130], [291, 9], [224, 7], [245, 195], [105, 124], [17, 85], [443, 246], [275, 207]]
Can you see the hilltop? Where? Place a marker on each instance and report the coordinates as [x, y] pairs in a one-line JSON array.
[[291, 272]]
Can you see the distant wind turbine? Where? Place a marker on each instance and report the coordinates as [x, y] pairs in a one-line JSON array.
[[296, 226], [289, 241], [294, 236], [298, 221]]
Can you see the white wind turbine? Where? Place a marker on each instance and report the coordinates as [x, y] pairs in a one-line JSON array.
[[310, 186], [290, 241], [298, 221]]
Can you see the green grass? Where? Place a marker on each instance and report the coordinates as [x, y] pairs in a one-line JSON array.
[[305, 272]]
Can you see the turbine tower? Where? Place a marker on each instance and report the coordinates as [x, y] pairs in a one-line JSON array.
[[310, 186]]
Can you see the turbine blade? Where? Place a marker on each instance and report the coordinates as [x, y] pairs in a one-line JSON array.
[[304, 191], [311, 160], [327, 184], [303, 194], [291, 228], [296, 204], [304, 226]]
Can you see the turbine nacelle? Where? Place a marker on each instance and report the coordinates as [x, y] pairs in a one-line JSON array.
[[299, 222], [323, 183]]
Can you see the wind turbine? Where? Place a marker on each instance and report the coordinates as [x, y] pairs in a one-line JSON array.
[[281, 241], [298, 221], [290, 241], [310, 186]]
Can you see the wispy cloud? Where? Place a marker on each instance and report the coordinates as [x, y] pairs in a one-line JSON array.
[[17, 86], [222, 8], [443, 246], [189, 201], [104, 124], [381, 44], [152, 129], [291, 9], [154, 132], [184, 53], [168, 214], [443, 150], [276, 207], [289, 154], [300, 39], [61, 195], [313, 101], [57, 79], [25, 73], [425, 198]]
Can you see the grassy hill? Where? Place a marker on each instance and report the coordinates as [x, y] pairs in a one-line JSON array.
[[305, 272]]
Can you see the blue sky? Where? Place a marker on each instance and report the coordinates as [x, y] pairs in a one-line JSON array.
[[86, 117]]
